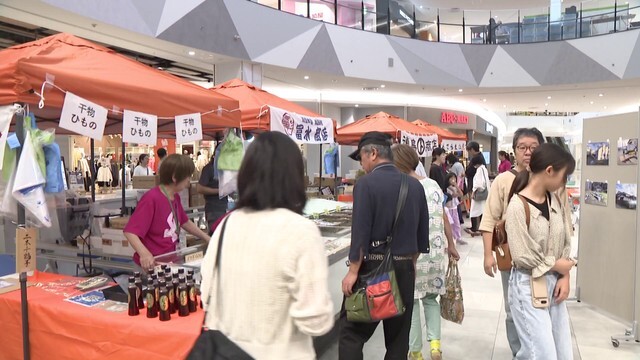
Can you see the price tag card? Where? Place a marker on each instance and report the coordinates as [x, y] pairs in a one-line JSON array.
[[193, 257], [25, 249], [83, 117], [188, 128], [139, 128]]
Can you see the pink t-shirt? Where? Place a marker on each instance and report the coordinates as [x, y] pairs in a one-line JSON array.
[[505, 165], [153, 222]]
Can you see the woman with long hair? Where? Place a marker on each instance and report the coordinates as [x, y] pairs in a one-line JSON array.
[[481, 184], [540, 249], [273, 268], [430, 268]]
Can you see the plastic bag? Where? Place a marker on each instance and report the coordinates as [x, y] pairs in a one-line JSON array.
[[231, 154], [9, 205], [451, 303], [228, 183]]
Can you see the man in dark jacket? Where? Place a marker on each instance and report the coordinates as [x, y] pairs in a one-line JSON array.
[[374, 207]]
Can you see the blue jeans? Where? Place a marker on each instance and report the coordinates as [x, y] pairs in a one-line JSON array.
[[432, 318], [544, 333], [512, 333]]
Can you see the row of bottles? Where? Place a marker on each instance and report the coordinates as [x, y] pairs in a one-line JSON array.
[[164, 294]]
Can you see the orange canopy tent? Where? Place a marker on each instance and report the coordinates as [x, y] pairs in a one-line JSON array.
[[350, 134], [443, 134], [255, 102], [105, 77]]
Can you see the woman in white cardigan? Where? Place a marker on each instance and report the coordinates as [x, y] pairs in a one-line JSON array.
[[480, 183], [273, 268]]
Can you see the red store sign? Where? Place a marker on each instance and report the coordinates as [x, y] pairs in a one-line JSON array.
[[453, 118]]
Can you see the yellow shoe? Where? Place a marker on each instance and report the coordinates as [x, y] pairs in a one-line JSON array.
[[436, 354], [415, 355]]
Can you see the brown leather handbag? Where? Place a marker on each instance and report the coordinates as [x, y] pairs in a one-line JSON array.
[[499, 242]]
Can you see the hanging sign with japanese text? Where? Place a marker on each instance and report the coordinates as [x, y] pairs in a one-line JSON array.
[[424, 145], [188, 128], [300, 128], [139, 128], [453, 145], [25, 249], [83, 116]]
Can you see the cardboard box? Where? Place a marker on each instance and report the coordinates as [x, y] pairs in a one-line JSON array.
[[144, 182]]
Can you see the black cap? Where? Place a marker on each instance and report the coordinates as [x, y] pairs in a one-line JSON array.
[[372, 137]]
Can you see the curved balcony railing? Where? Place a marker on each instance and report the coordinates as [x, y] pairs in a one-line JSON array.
[[570, 21]]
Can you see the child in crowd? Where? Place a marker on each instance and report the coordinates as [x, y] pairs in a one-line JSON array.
[[454, 193]]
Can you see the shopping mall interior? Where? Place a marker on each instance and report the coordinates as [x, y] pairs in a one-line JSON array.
[[474, 70]]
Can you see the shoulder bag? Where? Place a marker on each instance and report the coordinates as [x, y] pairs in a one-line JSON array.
[[499, 239], [377, 295], [482, 194], [213, 344]]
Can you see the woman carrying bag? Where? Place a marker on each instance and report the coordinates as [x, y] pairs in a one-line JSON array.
[[273, 287], [479, 194], [540, 242]]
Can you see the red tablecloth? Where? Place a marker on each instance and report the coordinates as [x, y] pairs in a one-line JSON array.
[[63, 330]]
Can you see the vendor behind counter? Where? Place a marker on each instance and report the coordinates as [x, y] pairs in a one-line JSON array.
[[156, 223]]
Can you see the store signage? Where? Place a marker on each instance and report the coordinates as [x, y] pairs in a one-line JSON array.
[[302, 129], [453, 145], [188, 128], [25, 249], [424, 145], [83, 116], [139, 128], [488, 127], [453, 118]]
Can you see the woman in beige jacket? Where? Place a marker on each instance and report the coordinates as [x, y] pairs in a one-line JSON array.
[[540, 248]]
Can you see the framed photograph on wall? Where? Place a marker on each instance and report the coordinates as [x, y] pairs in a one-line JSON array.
[[596, 193], [627, 151], [626, 196], [598, 153]]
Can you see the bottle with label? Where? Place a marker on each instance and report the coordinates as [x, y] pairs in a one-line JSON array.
[[191, 290], [183, 294], [163, 267], [173, 306], [138, 282], [163, 302], [152, 304], [156, 292], [167, 271], [132, 298], [175, 282], [180, 273]]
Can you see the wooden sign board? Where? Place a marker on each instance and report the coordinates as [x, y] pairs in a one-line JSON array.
[[26, 239]]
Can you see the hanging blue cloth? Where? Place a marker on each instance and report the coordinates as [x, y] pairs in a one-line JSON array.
[[55, 182], [331, 161]]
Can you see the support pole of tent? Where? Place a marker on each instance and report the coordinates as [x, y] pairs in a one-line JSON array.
[[123, 182], [320, 173], [92, 171], [26, 351]]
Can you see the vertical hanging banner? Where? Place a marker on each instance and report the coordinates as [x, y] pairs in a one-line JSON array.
[[83, 116], [25, 249], [424, 144], [188, 128], [453, 145], [300, 128], [139, 128]]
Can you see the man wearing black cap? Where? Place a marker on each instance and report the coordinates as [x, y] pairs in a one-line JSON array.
[[374, 206]]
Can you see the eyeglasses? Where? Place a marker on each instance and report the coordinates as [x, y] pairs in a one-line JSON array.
[[523, 148]]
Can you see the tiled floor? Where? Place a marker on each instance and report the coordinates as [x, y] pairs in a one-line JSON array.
[[482, 334]]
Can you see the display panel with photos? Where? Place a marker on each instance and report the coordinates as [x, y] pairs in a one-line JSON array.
[[598, 153], [626, 196], [627, 151], [596, 193]]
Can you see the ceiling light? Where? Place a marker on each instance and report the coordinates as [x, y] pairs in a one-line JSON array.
[[504, 106], [191, 52], [484, 100], [383, 86], [601, 94], [546, 104], [459, 90], [306, 77], [591, 102], [604, 107], [548, 97], [357, 105]]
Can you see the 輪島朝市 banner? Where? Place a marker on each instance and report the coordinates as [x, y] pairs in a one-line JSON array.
[[424, 144], [300, 128], [453, 145]]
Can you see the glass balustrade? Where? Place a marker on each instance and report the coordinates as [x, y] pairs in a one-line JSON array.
[[577, 19]]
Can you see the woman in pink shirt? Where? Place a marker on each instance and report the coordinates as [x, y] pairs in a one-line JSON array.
[[155, 225], [505, 164]]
